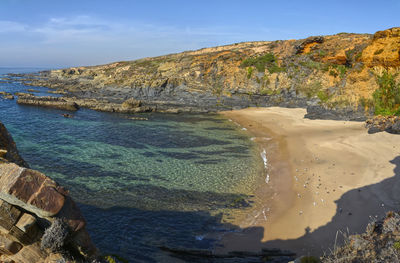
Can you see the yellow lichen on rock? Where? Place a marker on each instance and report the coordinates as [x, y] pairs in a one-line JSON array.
[[384, 49]]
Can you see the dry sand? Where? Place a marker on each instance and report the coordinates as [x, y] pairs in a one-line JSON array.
[[324, 176]]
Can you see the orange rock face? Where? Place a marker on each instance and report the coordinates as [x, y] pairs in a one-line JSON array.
[[384, 49], [338, 59]]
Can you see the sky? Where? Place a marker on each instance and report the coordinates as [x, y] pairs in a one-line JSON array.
[[57, 34]]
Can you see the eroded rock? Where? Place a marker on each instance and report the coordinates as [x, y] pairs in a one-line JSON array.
[[51, 102], [31, 202]]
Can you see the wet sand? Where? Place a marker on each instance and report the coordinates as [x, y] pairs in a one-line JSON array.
[[321, 176]]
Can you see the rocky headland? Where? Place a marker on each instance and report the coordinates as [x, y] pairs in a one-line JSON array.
[[39, 222], [334, 76]]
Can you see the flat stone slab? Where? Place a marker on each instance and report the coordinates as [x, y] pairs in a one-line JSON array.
[[31, 190]]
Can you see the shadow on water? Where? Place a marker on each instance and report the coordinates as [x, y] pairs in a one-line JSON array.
[[139, 226]]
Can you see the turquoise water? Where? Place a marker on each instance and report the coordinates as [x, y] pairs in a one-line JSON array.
[[140, 184]]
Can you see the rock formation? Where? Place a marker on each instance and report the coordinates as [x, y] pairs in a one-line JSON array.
[[330, 72], [379, 243], [52, 102], [31, 205]]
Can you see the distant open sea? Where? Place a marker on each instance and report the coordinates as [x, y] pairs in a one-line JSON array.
[[167, 181]]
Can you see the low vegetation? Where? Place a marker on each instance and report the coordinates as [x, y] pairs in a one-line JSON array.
[[386, 99], [56, 236], [267, 61]]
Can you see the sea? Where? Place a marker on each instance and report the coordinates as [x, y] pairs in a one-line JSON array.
[[160, 180]]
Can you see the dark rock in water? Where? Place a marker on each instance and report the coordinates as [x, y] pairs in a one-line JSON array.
[[66, 115]]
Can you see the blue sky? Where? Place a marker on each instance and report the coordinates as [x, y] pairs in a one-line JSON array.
[[38, 33]]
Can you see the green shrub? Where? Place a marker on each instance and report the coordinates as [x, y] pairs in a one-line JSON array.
[[260, 63], [386, 98], [342, 70], [366, 102], [269, 92], [396, 245], [333, 73], [249, 72], [358, 56], [323, 95], [312, 89], [322, 53]]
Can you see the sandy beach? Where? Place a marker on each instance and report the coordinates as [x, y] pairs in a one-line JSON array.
[[322, 178]]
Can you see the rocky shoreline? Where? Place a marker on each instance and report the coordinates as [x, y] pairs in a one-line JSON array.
[[39, 222], [334, 77]]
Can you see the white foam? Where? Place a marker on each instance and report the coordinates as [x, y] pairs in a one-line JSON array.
[[264, 157], [265, 161], [199, 238], [267, 179], [265, 217]]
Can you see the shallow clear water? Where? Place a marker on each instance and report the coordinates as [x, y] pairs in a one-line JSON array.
[[140, 184]]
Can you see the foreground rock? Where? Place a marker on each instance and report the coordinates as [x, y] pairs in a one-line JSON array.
[[389, 124], [379, 243], [36, 213]]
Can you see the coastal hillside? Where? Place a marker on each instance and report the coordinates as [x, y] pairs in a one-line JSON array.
[[339, 72]]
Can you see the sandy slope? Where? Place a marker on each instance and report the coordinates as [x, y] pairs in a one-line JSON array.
[[323, 176]]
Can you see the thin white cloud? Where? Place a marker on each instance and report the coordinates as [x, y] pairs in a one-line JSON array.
[[84, 40], [10, 26]]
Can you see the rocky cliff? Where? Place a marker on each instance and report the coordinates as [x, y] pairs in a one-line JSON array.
[[379, 243], [39, 222], [337, 72]]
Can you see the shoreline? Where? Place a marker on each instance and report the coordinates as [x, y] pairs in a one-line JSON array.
[[324, 176]]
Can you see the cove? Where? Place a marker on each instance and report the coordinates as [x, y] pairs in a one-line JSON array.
[[141, 184]]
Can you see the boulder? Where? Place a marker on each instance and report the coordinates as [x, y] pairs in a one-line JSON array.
[[389, 124], [30, 190]]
